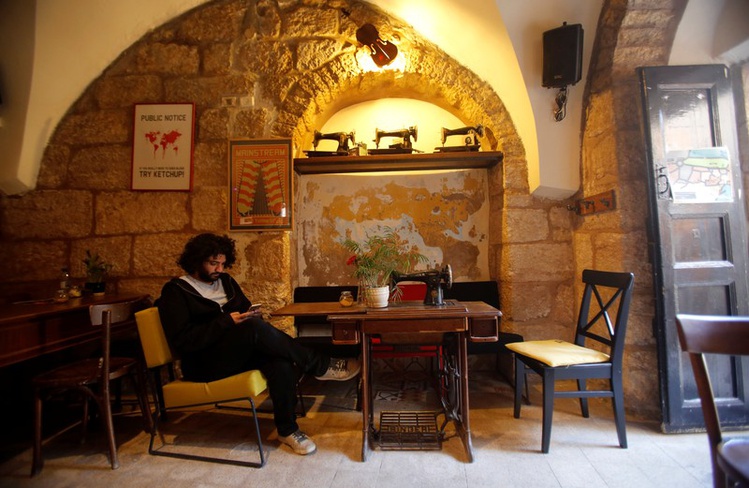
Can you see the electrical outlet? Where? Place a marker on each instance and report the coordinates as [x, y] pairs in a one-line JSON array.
[[229, 101]]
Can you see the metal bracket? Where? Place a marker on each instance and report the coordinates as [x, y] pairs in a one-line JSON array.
[[602, 202]]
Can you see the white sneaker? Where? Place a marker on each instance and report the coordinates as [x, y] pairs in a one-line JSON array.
[[299, 443], [341, 370]]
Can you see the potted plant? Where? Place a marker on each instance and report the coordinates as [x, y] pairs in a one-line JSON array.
[[96, 271], [374, 261]]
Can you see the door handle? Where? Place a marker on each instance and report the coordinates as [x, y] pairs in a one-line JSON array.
[[663, 187]]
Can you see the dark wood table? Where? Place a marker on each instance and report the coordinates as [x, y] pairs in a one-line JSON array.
[[453, 324], [35, 328]]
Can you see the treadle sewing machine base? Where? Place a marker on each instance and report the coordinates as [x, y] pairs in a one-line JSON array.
[[456, 324]]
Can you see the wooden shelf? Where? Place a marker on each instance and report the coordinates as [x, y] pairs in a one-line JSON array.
[[397, 162]]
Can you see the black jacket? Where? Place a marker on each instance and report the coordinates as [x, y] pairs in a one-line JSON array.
[[194, 325]]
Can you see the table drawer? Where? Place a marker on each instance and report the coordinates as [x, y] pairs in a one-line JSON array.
[[483, 330], [345, 333]]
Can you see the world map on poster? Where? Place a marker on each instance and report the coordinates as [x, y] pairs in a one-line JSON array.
[[166, 141]]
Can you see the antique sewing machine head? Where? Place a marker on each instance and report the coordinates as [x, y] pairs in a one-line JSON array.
[[470, 139], [404, 134], [434, 280], [341, 137]]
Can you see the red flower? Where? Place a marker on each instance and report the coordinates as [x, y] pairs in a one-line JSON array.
[[351, 260]]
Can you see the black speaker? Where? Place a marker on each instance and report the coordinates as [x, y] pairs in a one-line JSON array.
[[563, 56]]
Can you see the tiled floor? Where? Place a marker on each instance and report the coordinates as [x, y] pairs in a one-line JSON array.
[[584, 452]]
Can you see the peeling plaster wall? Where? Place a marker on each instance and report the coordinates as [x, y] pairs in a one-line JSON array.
[[444, 215]]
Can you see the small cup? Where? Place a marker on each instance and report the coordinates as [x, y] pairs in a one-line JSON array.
[[346, 299], [61, 296]]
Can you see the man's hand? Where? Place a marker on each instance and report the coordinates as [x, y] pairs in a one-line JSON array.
[[241, 317], [254, 311]]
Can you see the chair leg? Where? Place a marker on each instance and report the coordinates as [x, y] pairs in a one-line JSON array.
[[618, 402], [548, 410], [84, 421], [37, 461], [583, 401], [105, 409], [139, 383], [519, 383]]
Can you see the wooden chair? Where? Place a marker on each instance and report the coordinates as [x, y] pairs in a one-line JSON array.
[[180, 394], [605, 293], [91, 377], [709, 334]]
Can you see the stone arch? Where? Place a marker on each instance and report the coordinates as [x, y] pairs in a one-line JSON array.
[[301, 59], [287, 66]]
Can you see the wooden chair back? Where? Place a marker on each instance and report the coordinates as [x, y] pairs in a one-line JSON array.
[[106, 315], [606, 294], [710, 334]]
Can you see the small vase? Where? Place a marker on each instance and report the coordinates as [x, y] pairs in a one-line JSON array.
[[97, 288], [377, 297]]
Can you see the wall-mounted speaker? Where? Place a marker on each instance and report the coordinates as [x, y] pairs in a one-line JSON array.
[[563, 56]]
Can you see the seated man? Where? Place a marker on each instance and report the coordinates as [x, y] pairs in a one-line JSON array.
[[209, 326]]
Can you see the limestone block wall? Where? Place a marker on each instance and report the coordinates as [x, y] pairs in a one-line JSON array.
[[292, 65], [289, 66]]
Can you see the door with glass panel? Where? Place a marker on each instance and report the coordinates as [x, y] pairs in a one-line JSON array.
[[698, 236]]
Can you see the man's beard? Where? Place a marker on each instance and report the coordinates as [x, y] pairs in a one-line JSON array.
[[208, 277]]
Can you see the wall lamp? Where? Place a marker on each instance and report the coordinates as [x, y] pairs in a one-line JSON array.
[[383, 52]]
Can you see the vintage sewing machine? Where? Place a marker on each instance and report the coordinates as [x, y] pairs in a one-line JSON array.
[[470, 139], [342, 138], [435, 279], [403, 147]]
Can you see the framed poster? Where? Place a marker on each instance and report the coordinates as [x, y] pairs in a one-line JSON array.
[[260, 184], [162, 146]]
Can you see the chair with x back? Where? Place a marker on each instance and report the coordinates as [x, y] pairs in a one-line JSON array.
[[91, 378], [178, 393], [595, 354], [710, 334]]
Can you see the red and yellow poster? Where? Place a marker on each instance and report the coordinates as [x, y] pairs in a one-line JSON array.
[[260, 184]]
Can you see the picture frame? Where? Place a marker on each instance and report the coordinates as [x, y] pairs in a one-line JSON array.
[[163, 141], [260, 196]]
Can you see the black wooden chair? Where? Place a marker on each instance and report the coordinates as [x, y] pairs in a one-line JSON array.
[[708, 334], [606, 294], [91, 378]]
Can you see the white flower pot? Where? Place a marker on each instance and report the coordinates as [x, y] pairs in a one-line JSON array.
[[377, 297]]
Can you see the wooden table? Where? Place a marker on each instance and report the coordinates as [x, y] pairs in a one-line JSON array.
[[32, 329], [453, 324]]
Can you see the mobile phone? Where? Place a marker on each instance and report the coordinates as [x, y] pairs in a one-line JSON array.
[[254, 307]]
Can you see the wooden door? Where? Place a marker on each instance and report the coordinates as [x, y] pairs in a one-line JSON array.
[[697, 224]]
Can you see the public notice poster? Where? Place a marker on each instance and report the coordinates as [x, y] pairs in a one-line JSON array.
[[260, 184], [163, 146]]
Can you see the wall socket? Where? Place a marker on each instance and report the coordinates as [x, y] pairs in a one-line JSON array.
[[229, 101]]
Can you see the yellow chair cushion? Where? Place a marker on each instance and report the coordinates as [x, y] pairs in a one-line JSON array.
[[558, 353], [240, 386]]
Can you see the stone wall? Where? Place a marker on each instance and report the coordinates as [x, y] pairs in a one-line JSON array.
[[291, 65]]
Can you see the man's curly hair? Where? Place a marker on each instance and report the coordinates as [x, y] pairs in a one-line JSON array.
[[205, 246]]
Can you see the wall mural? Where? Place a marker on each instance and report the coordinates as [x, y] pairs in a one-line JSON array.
[[445, 214]]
